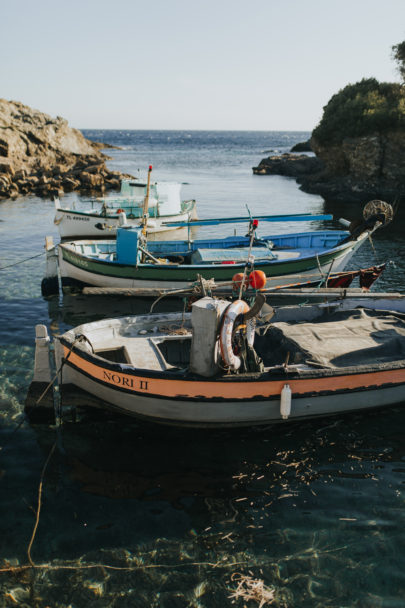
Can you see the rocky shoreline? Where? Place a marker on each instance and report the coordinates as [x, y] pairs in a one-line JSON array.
[[43, 156]]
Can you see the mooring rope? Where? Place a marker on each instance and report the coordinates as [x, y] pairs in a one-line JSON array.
[[21, 261], [79, 338], [39, 504], [19, 425]]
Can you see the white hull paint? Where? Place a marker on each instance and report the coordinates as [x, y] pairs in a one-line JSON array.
[[68, 270], [73, 224], [234, 413]]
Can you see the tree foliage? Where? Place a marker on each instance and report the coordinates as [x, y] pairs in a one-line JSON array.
[[398, 53], [364, 108]]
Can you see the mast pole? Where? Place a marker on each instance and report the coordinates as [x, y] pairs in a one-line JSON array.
[[146, 203]]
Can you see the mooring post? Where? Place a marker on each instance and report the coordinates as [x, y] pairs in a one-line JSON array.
[[50, 282], [39, 405]]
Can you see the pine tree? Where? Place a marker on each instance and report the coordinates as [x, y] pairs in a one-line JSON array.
[[398, 53]]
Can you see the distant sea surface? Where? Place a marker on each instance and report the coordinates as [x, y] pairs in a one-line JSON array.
[[314, 510]]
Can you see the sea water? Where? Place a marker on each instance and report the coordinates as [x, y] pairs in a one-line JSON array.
[[174, 518]]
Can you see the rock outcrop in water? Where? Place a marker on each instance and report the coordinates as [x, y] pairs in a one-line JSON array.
[[43, 155], [359, 146], [290, 165], [303, 146]]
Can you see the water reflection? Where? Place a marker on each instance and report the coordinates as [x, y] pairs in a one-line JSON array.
[[75, 309], [191, 508]]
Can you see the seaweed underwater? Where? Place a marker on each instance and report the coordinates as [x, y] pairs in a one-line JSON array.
[[251, 523]]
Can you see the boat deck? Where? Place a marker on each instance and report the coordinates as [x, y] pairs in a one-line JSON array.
[[141, 346], [103, 253]]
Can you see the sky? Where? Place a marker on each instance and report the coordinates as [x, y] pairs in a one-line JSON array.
[[187, 64]]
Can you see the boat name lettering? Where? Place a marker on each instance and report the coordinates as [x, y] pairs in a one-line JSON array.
[[82, 219], [124, 381], [75, 260]]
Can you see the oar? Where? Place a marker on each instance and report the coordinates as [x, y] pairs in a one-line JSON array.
[[293, 217]]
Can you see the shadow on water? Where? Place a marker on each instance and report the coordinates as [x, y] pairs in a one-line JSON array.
[[181, 510], [116, 457]]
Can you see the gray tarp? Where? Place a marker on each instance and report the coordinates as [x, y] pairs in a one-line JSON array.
[[341, 339]]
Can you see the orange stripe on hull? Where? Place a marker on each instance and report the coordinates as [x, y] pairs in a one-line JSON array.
[[232, 391]]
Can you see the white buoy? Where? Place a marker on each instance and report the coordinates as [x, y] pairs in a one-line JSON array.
[[285, 402]]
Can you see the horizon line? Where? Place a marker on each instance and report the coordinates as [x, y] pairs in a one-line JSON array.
[[200, 130]]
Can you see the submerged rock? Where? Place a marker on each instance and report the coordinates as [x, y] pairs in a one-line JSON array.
[[43, 155]]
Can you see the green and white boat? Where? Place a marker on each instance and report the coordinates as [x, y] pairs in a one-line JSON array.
[[131, 262]]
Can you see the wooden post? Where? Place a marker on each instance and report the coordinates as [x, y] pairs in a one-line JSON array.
[[50, 282], [39, 405]]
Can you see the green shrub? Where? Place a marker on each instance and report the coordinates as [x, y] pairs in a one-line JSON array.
[[364, 108]]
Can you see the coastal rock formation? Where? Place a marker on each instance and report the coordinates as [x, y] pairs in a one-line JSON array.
[[290, 165], [304, 146], [45, 156], [354, 170], [371, 157], [371, 166], [360, 143]]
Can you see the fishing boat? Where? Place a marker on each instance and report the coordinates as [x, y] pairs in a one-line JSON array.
[[226, 364], [133, 262], [164, 205]]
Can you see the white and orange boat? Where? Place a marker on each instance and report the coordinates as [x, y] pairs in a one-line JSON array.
[[223, 365]]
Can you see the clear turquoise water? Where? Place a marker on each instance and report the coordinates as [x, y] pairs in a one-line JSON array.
[[315, 510]]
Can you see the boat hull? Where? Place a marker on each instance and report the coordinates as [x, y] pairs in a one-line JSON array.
[[241, 402], [79, 224], [77, 269]]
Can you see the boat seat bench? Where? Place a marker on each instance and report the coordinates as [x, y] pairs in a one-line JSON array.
[[144, 354]]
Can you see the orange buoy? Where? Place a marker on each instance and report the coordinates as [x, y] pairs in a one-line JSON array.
[[257, 279], [237, 280]]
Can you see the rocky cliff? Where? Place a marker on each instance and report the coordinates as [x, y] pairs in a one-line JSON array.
[[358, 168], [43, 155], [359, 146], [354, 170]]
